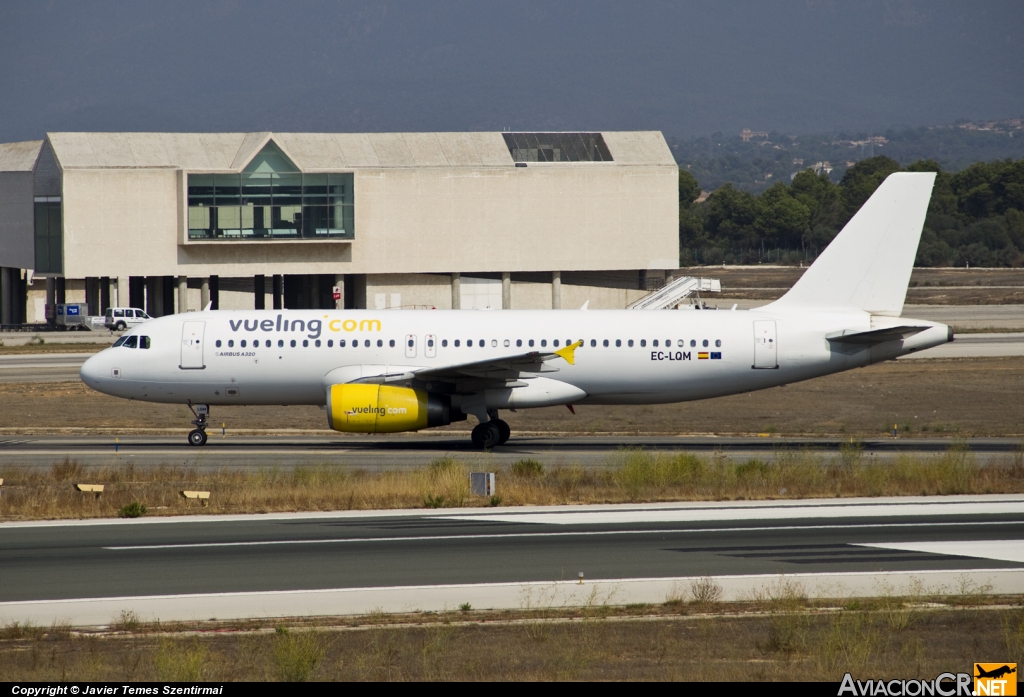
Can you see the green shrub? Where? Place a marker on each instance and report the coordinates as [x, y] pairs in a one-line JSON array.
[[527, 469], [133, 509]]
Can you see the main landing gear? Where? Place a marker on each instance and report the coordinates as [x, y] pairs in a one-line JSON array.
[[197, 436], [488, 434]]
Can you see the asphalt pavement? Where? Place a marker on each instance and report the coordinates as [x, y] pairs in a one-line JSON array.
[[250, 563]]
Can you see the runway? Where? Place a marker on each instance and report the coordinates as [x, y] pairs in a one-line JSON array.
[[416, 450], [334, 563]]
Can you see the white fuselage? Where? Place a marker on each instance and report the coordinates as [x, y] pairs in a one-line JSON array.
[[627, 357]]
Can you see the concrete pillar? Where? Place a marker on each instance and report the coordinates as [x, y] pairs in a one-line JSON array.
[[182, 294], [204, 293], [123, 296], [456, 292], [506, 291], [6, 293], [278, 292], [556, 290], [259, 291], [339, 281]]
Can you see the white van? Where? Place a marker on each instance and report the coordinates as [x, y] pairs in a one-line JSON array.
[[120, 318]]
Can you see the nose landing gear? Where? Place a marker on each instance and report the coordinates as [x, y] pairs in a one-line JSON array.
[[198, 435]]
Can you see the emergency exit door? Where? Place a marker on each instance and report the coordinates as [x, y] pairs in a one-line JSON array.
[[765, 345], [410, 346], [192, 345]]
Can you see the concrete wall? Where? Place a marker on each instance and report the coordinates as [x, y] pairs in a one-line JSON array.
[[17, 220], [562, 217]]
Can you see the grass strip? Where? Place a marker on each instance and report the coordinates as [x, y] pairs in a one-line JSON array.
[[633, 476]]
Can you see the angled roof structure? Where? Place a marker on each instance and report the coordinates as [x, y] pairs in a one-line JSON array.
[[312, 152], [19, 157]]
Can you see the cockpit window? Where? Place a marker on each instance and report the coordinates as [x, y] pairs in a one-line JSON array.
[[144, 342], [120, 341], [131, 342]]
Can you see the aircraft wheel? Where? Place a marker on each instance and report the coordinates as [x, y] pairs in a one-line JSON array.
[[504, 429], [486, 435], [197, 437]]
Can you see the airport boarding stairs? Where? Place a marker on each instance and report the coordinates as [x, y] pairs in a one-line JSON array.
[[672, 294]]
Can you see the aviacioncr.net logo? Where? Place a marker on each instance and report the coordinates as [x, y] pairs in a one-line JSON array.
[[944, 685]]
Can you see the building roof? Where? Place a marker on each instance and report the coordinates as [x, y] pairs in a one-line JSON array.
[[311, 152], [19, 157]]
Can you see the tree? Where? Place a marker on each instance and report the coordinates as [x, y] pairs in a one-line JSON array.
[[861, 180], [689, 189]]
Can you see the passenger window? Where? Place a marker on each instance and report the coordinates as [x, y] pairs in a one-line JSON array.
[[243, 343], [231, 343], [305, 343], [693, 342], [391, 343], [705, 343], [293, 343], [629, 343], [531, 343], [543, 342], [280, 343], [430, 343], [456, 343], [144, 342], [718, 343], [519, 342], [341, 343], [132, 342], [555, 343], [643, 343], [654, 343], [122, 339], [606, 342], [482, 343], [494, 343], [507, 342], [366, 343], [618, 342], [218, 343], [668, 343], [330, 343], [141, 315], [317, 343], [380, 343], [118, 313], [682, 343]]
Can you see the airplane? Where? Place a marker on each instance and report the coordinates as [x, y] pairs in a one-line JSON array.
[[387, 372]]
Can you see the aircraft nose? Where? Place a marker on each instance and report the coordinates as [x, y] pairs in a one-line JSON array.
[[92, 371]]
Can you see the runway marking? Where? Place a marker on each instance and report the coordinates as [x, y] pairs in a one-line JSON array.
[[1000, 550], [860, 510], [519, 535]]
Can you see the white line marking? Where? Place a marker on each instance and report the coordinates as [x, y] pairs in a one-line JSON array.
[[1000, 550], [589, 533], [779, 513]]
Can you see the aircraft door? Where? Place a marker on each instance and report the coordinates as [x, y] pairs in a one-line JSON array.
[[765, 346], [430, 346], [192, 345], [410, 346]]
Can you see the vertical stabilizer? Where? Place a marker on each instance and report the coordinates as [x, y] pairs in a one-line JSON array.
[[868, 265]]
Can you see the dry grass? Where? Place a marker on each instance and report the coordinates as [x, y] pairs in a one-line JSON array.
[[779, 637], [633, 476]]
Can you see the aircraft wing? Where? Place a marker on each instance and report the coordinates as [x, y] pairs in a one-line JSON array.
[[874, 336], [502, 368]]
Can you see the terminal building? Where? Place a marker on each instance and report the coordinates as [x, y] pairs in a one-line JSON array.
[[171, 222]]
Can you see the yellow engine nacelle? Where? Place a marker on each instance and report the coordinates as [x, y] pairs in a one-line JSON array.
[[384, 409]]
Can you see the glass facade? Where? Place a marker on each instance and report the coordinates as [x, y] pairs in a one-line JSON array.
[[270, 205], [49, 238], [557, 147]]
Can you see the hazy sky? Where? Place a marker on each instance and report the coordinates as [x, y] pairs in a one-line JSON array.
[[685, 68]]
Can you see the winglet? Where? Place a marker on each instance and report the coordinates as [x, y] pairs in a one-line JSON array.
[[568, 353]]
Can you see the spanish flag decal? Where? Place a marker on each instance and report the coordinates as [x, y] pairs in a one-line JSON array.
[[702, 355]]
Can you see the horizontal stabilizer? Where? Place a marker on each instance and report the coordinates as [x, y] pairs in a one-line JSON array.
[[874, 336]]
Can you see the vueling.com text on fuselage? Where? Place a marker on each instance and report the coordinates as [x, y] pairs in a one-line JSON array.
[[313, 327]]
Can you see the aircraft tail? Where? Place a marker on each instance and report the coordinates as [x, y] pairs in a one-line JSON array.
[[868, 265]]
